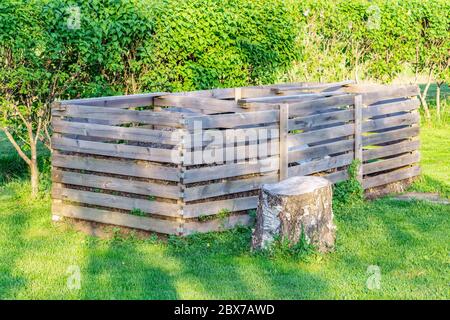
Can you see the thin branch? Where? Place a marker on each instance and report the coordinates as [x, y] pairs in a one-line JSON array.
[[16, 146]]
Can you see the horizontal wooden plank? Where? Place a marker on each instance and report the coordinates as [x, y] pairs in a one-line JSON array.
[[232, 120], [312, 87], [116, 150], [388, 122], [123, 167], [390, 107], [125, 101], [392, 135], [116, 184], [393, 176], [231, 170], [116, 218], [118, 116], [390, 150], [338, 176], [200, 103], [321, 165], [392, 163], [215, 207], [288, 98], [321, 119], [320, 135], [375, 93], [321, 150], [216, 225], [116, 133], [301, 109], [227, 187], [117, 202], [218, 155]]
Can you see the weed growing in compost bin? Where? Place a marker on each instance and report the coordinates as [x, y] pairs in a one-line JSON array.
[[151, 198], [138, 212], [348, 192], [283, 248]]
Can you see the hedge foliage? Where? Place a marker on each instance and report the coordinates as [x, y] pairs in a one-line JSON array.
[[128, 46]]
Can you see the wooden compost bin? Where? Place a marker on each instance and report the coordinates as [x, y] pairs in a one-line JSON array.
[[139, 161]]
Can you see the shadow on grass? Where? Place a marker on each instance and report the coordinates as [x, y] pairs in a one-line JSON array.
[[428, 184]]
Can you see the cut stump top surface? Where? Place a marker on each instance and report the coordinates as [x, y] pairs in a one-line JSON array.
[[296, 185]]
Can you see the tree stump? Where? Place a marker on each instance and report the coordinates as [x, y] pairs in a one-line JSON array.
[[292, 206]]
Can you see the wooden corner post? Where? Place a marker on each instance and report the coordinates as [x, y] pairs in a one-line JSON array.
[[284, 130], [358, 104]]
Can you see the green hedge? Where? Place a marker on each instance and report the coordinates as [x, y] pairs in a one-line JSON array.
[[127, 46]]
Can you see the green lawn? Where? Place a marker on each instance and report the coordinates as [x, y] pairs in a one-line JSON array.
[[409, 242]]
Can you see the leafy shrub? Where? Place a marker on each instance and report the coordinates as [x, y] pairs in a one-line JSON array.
[[348, 192]]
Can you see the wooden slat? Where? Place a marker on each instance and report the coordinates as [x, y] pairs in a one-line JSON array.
[[214, 207], [386, 178], [321, 165], [336, 177], [390, 150], [238, 153], [227, 187], [321, 150], [394, 121], [310, 87], [358, 150], [388, 136], [126, 101], [172, 119], [200, 103], [390, 107], [392, 163], [116, 133], [288, 98], [320, 135], [301, 109], [375, 93], [121, 167], [231, 170], [283, 144], [116, 184], [116, 150], [116, 218], [215, 225], [320, 119], [118, 202], [233, 120]]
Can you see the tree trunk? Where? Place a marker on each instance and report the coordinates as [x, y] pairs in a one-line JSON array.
[[294, 208], [423, 98], [34, 172]]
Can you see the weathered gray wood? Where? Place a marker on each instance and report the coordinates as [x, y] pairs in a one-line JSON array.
[[233, 120], [231, 170], [288, 98], [131, 168], [116, 133], [227, 187], [338, 176], [388, 136], [198, 103], [241, 152], [321, 165], [191, 227], [118, 202], [321, 150], [358, 151], [393, 176], [375, 93], [116, 184], [393, 163], [320, 119], [320, 135], [116, 218], [301, 109], [134, 100], [215, 207], [116, 150], [394, 121], [309, 87], [118, 116], [390, 107], [390, 150], [283, 145]]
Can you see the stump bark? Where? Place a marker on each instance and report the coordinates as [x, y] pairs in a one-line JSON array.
[[292, 206]]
